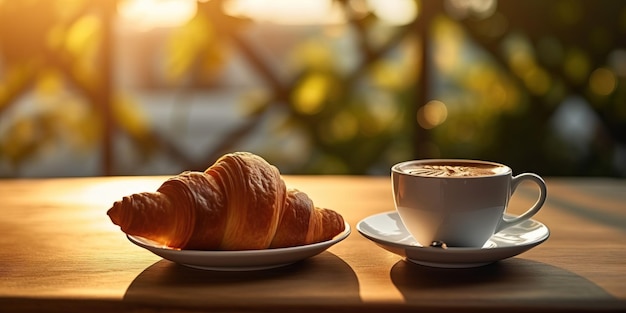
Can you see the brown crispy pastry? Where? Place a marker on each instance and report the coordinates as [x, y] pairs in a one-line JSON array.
[[239, 203]]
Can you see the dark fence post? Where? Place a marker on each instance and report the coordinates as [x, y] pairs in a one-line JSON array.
[[105, 89], [422, 142]]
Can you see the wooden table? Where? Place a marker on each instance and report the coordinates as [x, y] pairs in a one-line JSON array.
[[60, 252]]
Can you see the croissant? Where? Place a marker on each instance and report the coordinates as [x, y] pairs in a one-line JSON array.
[[238, 203]]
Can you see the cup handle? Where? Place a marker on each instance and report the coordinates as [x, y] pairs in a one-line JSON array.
[[515, 181]]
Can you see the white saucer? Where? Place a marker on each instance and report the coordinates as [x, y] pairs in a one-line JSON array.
[[242, 260], [387, 231]]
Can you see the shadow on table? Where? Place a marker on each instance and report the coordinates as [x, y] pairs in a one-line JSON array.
[[516, 281], [321, 280]]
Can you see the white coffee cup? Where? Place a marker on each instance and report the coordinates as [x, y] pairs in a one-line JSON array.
[[458, 202]]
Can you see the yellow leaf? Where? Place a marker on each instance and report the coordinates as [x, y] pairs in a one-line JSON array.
[[309, 97], [20, 140], [130, 117], [186, 44], [49, 83], [81, 35]]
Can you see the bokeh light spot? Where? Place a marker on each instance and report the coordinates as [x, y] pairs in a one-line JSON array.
[[432, 114], [602, 82], [537, 80]]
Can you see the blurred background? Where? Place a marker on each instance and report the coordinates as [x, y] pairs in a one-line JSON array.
[[147, 87]]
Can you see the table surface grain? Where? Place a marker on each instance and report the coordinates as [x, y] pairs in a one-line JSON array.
[[59, 252]]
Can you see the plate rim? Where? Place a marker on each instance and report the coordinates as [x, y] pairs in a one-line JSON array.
[[215, 259]]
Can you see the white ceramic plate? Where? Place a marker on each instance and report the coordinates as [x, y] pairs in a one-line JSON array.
[[242, 260], [387, 231]]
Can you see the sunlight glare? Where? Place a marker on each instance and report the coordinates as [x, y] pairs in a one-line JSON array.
[[287, 12], [106, 192], [149, 14], [395, 12]]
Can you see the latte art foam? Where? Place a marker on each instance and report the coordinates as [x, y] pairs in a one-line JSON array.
[[451, 170]]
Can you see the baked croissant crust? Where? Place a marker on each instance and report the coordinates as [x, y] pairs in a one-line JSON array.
[[239, 203]]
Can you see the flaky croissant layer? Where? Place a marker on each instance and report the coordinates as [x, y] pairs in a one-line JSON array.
[[238, 203]]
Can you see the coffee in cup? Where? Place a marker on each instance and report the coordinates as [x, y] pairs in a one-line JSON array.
[[457, 202]]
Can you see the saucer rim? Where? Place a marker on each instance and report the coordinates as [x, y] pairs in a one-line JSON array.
[[450, 249], [452, 257]]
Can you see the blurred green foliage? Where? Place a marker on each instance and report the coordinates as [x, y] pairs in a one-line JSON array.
[[534, 60], [52, 51], [480, 79]]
